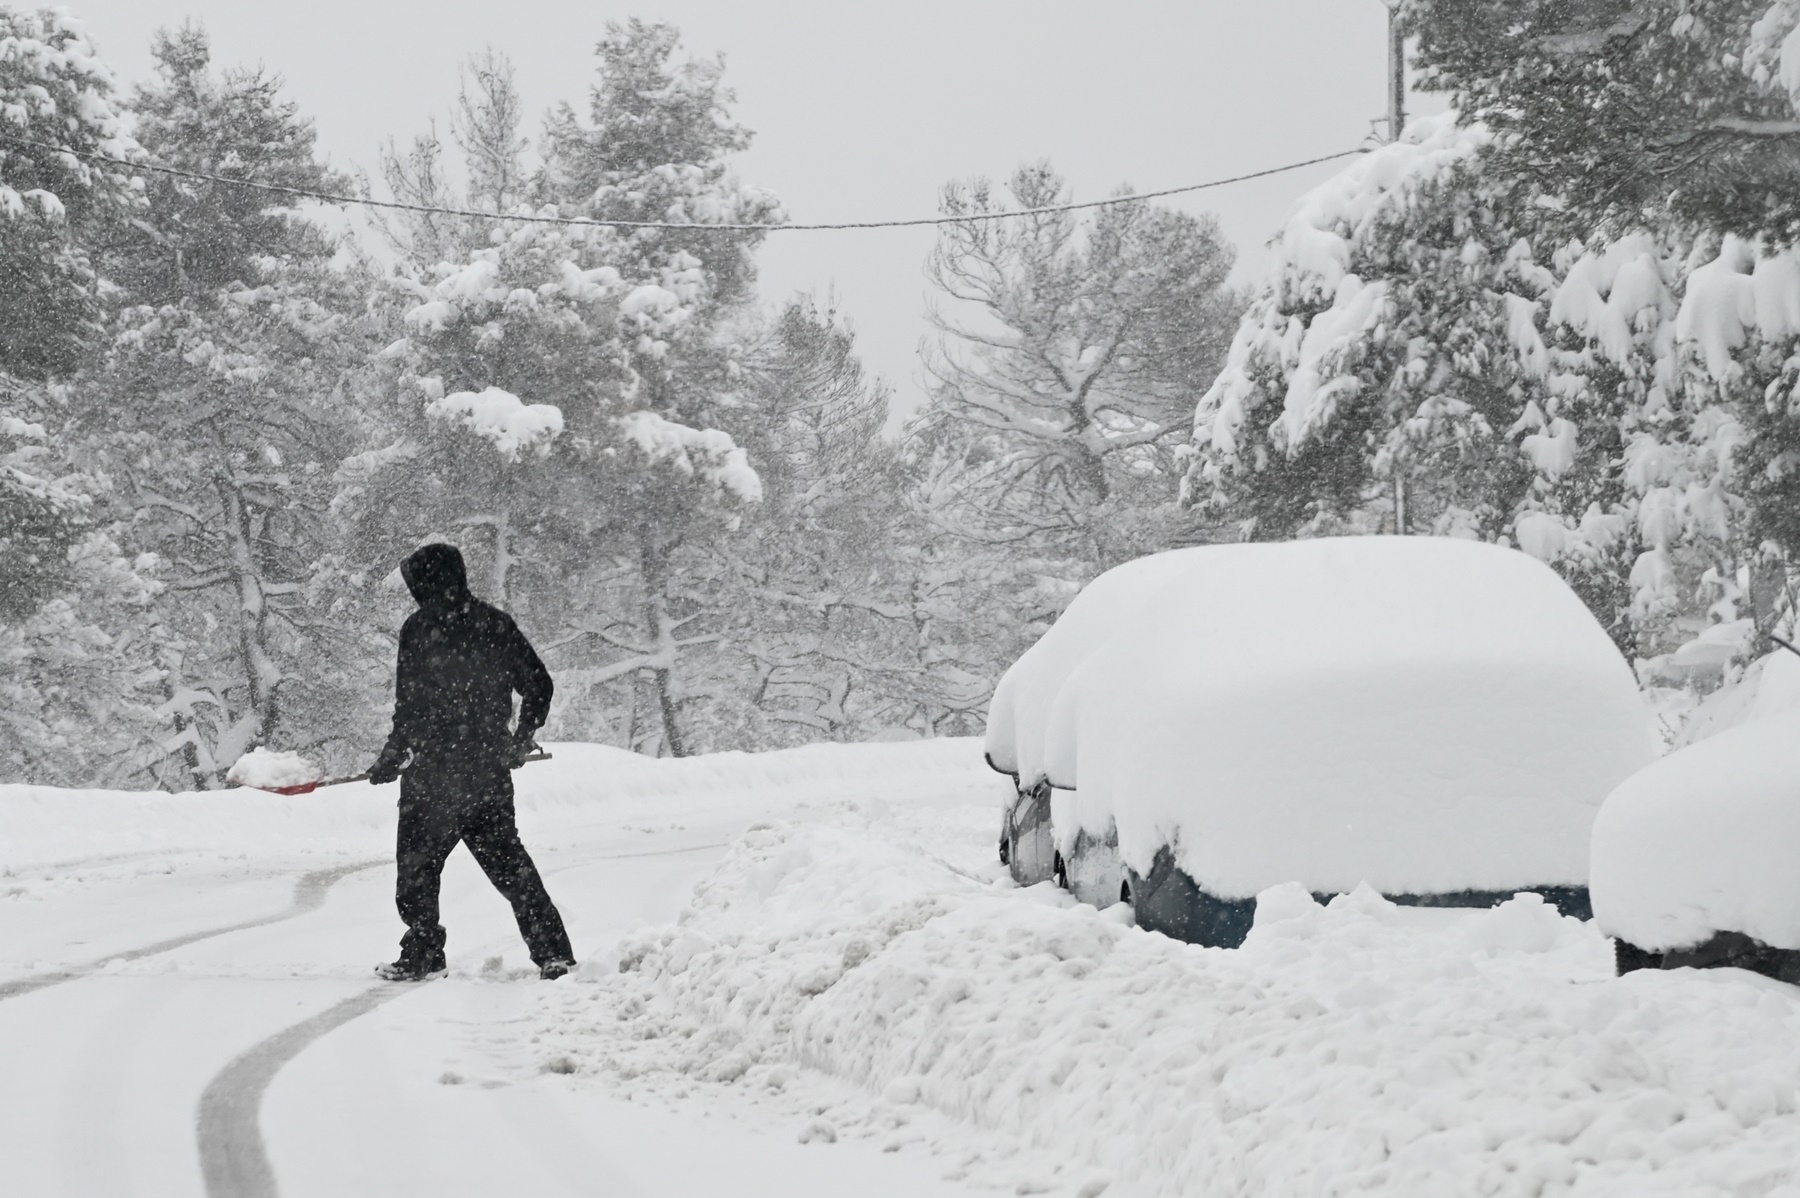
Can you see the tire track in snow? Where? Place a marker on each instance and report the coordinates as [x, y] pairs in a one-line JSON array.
[[309, 895], [234, 1160], [42, 868]]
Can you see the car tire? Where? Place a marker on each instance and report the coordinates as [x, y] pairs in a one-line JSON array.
[[1629, 958], [1059, 871], [1006, 850]]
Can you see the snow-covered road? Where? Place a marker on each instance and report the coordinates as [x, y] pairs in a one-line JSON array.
[[805, 974], [184, 1021]]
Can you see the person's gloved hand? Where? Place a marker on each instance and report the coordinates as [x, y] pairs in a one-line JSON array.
[[387, 767], [524, 745]]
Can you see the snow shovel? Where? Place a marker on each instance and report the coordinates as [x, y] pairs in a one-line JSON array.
[[306, 788]]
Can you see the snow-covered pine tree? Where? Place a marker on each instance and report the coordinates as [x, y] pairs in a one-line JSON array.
[[1680, 120], [1069, 358], [656, 144], [56, 104], [487, 310], [1363, 381], [485, 127], [57, 109], [1070, 353], [554, 385], [221, 409], [1625, 110], [827, 629], [1607, 386], [1428, 343], [78, 680], [73, 650]]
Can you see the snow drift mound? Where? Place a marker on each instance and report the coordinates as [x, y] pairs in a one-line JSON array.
[[1021, 702], [1704, 841], [1355, 1048], [1422, 714]]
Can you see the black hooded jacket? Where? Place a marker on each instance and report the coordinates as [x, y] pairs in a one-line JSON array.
[[460, 662]]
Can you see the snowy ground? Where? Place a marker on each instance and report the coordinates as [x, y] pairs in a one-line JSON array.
[[804, 975]]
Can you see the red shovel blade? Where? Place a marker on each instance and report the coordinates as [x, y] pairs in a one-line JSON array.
[[304, 788]]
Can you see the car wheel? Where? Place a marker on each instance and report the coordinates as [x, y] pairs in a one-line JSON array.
[[1060, 871], [1006, 850], [1628, 958]]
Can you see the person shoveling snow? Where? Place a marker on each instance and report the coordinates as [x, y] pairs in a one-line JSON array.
[[460, 662]]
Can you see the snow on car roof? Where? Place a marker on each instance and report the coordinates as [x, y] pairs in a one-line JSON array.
[[1021, 702], [1703, 841], [1424, 714]]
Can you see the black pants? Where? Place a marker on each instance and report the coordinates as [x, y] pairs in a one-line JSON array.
[[438, 809]]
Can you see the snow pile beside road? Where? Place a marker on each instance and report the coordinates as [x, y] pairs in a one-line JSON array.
[[1704, 841], [1355, 1048], [810, 773], [1424, 714], [582, 784]]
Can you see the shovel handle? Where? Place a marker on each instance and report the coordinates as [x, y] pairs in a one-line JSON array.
[[306, 788]]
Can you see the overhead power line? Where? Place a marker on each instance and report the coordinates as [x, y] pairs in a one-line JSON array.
[[695, 226]]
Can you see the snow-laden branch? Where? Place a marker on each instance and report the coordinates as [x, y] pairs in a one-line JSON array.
[[708, 454], [1761, 129], [503, 419]]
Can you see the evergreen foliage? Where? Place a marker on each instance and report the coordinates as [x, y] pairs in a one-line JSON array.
[[1564, 317], [219, 410], [1561, 316], [1070, 356], [1627, 111]]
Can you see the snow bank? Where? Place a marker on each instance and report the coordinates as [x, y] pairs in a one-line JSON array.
[[1423, 714], [1021, 702], [268, 769], [582, 784], [1705, 841], [1352, 1049]]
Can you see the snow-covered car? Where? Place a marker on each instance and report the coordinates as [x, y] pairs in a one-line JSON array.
[[1693, 856], [1437, 718], [1021, 704]]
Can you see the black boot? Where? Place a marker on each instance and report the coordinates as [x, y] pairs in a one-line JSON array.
[[412, 970]]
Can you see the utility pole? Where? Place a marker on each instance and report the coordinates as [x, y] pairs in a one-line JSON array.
[[1396, 74], [1396, 125]]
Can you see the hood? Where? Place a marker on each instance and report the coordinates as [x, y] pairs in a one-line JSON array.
[[436, 577]]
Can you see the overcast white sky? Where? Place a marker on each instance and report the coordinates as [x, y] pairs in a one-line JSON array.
[[863, 110]]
